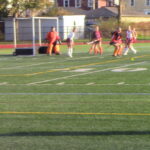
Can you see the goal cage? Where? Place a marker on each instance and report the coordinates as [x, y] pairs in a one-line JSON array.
[[29, 33]]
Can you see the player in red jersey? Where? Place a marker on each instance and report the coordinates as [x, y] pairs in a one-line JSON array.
[[116, 41], [96, 42]]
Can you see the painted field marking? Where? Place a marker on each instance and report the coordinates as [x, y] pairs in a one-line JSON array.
[[91, 83], [129, 69], [74, 94], [32, 83], [76, 113], [3, 83], [61, 83], [82, 70], [120, 83], [80, 84]]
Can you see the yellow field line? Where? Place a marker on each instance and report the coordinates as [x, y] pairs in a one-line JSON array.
[[76, 113], [69, 68]]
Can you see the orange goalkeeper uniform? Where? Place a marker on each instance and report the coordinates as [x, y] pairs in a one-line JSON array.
[[52, 36]]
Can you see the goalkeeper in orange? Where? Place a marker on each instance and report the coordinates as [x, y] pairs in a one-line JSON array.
[[52, 37]]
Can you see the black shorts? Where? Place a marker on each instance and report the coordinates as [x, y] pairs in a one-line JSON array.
[[112, 43], [97, 42]]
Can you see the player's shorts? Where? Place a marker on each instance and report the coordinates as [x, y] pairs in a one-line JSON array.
[[112, 43], [69, 40], [134, 40], [119, 42], [97, 42], [129, 41]]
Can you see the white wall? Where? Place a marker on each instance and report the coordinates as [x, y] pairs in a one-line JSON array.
[[66, 24]]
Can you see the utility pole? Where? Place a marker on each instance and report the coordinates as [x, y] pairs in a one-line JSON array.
[[120, 11], [94, 4]]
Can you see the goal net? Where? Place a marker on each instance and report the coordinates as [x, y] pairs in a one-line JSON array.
[[29, 33]]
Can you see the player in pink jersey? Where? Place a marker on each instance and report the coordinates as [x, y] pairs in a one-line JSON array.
[[97, 42]]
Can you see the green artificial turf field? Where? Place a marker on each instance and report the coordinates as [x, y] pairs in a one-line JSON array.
[[88, 102]]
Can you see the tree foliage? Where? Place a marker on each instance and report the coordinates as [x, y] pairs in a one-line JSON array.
[[3, 6], [18, 7]]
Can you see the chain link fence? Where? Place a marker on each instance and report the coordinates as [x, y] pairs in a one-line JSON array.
[[83, 33]]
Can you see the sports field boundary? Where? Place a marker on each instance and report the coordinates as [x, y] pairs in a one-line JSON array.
[[35, 94], [10, 46]]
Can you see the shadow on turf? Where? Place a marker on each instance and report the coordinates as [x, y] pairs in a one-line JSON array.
[[77, 133]]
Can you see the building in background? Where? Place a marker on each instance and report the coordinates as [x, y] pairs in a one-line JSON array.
[[83, 4], [135, 10], [112, 3]]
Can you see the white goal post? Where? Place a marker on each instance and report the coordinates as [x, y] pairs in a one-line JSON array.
[[35, 22]]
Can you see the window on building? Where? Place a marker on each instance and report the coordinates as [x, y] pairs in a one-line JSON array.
[[78, 3], [132, 2], [90, 3], [147, 12], [147, 2], [66, 3]]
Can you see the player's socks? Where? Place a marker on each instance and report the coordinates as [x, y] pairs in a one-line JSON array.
[[125, 51], [101, 51], [71, 51], [133, 50], [120, 51], [115, 52], [49, 49], [90, 51], [95, 51]]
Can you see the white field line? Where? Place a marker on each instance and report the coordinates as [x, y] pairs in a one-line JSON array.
[[91, 83], [61, 83], [66, 77], [86, 84], [43, 63], [120, 83], [3, 83], [74, 94]]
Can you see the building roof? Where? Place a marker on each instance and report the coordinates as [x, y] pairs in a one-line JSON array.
[[105, 12]]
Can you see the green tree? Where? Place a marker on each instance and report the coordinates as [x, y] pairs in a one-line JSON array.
[[3, 8], [18, 7]]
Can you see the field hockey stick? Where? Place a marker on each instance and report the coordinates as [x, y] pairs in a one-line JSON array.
[[92, 42]]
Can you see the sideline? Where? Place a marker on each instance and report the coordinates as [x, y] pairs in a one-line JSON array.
[[11, 46], [75, 94]]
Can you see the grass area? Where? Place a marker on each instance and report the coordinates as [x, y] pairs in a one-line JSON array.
[[88, 102]]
